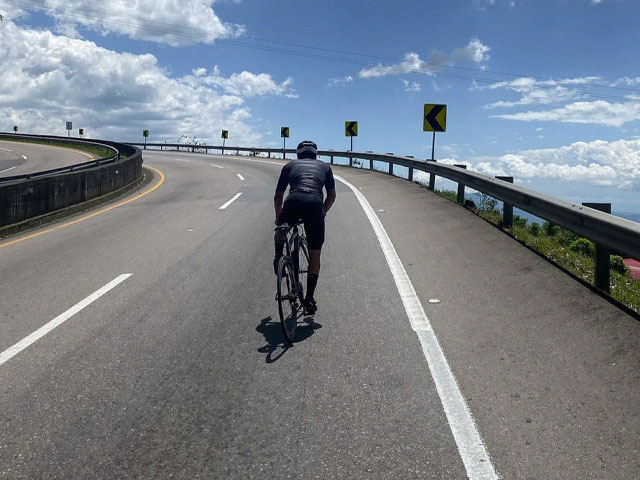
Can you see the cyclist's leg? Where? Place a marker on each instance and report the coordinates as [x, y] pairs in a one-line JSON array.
[[314, 228], [279, 237]]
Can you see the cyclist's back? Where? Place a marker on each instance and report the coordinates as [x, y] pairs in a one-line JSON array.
[[306, 176]]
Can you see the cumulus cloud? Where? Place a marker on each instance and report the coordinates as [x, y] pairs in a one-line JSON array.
[[474, 52], [534, 91], [340, 81], [411, 86], [46, 82], [599, 162], [164, 21], [599, 112]]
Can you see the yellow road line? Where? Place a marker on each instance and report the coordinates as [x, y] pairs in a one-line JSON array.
[[90, 215]]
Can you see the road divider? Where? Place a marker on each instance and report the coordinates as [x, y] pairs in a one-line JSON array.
[[12, 351]]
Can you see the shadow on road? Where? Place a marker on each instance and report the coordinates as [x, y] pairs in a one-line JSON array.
[[276, 343]]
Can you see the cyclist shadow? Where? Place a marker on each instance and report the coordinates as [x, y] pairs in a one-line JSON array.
[[277, 344]]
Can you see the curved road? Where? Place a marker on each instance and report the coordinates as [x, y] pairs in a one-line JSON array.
[[168, 359], [18, 158]]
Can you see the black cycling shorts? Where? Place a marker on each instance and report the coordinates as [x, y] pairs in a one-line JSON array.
[[308, 208]]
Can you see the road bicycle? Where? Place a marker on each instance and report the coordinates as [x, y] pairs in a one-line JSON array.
[[292, 273]]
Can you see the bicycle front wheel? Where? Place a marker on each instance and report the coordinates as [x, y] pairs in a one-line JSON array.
[[288, 299]]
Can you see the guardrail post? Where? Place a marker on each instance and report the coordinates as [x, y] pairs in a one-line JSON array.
[[390, 168], [351, 161], [432, 180], [460, 185], [602, 274], [507, 208], [331, 160]]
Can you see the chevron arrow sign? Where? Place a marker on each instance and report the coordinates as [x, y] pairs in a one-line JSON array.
[[435, 118]]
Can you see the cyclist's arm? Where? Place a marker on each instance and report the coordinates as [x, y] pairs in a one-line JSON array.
[[330, 185], [283, 181], [328, 202], [277, 203]]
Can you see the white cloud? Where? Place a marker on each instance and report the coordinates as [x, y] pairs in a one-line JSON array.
[[340, 81], [165, 21], [411, 86], [598, 163], [46, 82], [543, 92], [482, 4], [599, 112], [475, 52]]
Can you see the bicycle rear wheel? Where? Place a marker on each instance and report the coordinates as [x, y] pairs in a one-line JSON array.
[[303, 265], [288, 299]]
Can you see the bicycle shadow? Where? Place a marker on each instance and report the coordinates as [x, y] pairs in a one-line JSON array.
[[277, 344]]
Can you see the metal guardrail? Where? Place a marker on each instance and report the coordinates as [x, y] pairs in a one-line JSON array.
[[607, 231], [71, 168]]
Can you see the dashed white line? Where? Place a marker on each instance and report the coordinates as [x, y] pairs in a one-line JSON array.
[[60, 319], [470, 445], [217, 166], [5, 149], [24, 157], [235, 197], [240, 177], [7, 169]]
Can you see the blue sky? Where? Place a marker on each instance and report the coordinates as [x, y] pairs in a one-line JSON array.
[[548, 91]]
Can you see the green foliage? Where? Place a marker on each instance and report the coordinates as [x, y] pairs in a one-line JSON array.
[[566, 237], [519, 221], [550, 229], [535, 229], [487, 203], [617, 265], [582, 246]]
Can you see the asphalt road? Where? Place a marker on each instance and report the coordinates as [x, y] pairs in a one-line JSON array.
[[21, 158], [180, 370]]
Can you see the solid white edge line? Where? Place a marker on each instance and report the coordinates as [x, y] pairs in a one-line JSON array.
[[60, 319], [7, 169], [217, 166], [235, 197], [465, 432], [240, 177]]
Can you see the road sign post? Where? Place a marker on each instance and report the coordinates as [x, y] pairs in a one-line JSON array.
[[284, 133], [351, 130], [434, 120], [224, 135], [69, 128]]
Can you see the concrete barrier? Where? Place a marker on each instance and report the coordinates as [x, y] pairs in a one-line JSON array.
[[23, 199]]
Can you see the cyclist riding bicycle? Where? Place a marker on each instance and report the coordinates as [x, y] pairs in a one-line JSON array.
[[305, 177]]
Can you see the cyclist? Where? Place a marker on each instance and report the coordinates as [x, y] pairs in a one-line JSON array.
[[305, 177]]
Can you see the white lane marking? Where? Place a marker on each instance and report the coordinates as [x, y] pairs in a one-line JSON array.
[[235, 197], [7, 169], [217, 166], [5, 149], [470, 445], [24, 157], [181, 160], [240, 177], [60, 319]]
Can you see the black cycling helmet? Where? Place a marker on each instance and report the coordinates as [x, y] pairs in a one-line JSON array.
[[307, 149]]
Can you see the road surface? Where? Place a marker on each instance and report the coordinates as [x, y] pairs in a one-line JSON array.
[[168, 360], [18, 158]]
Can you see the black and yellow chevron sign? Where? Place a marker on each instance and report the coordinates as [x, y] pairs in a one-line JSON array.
[[435, 118], [225, 134], [145, 133], [284, 132], [81, 131], [351, 129], [15, 128]]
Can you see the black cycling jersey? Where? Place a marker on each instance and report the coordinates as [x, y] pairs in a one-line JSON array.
[[306, 176]]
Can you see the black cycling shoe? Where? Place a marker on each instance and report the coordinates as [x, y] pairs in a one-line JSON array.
[[310, 306]]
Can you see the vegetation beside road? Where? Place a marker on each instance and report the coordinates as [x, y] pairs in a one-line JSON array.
[[562, 247], [95, 150]]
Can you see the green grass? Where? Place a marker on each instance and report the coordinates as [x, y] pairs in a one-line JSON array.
[[98, 152], [562, 247]]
